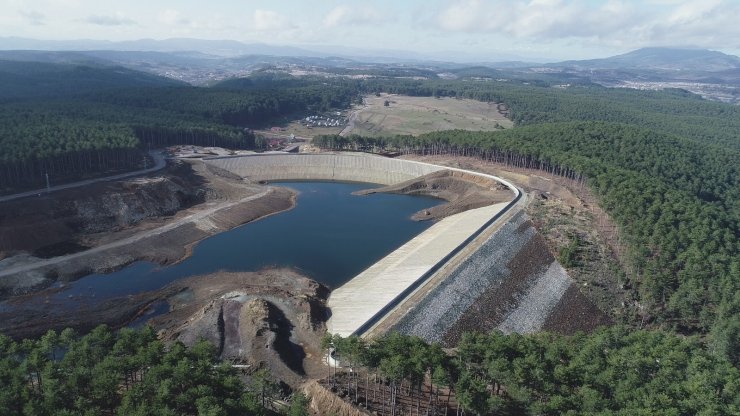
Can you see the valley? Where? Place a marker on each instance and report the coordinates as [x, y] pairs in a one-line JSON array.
[[380, 235]]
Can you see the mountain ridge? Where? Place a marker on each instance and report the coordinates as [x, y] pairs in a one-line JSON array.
[[661, 58]]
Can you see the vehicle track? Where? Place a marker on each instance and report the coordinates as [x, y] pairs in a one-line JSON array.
[[192, 218]]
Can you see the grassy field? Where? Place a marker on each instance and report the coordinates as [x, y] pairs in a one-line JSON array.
[[417, 115]]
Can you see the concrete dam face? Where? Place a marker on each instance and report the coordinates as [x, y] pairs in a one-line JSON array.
[[441, 281], [324, 167]]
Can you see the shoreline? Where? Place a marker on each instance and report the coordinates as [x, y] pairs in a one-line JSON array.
[[236, 203], [169, 244], [33, 313]]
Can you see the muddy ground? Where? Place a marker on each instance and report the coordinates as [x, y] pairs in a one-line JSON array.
[[559, 209], [462, 192], [271, 318], [110, 225]]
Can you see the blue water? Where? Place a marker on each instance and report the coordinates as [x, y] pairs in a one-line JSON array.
[[155, 309], [330, 236]]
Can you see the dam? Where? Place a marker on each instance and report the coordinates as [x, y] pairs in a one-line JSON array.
[[360, 304]]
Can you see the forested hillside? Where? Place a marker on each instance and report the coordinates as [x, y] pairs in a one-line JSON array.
[[612, 371], [21, 80], [75, 121], [664, 165], [125, 372]]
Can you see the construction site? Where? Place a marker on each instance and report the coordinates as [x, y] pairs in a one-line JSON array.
[[481, 266]]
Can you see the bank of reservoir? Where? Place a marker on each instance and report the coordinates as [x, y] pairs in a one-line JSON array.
[[330, 236]]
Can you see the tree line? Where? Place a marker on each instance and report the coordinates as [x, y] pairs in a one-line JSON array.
[[613, 371], [149, 111], [92, 133], [126, 372], [676, 202]]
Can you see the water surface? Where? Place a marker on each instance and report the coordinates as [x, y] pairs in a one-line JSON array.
[[330, 236]]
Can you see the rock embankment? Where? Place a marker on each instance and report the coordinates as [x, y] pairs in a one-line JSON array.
[[463, 191], [273, 319], [512, 284]]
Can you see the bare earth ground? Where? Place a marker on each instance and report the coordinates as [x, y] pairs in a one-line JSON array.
[[559, 208], [272, 318], [461, 190], [227, 202], [417, 115]]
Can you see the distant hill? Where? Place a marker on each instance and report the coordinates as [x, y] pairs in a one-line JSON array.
[[224, 48], [19, 79], [668, 59]]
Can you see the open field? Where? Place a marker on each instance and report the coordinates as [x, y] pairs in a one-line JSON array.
[[300, 130], [417, 115]]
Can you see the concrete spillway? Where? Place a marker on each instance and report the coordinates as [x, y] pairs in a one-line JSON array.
[[363, 301]]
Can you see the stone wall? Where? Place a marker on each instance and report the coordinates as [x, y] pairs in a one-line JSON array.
[[346, 167]]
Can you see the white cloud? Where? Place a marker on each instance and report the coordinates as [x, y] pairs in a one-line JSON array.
[[172, 17], [711, 24], [267, 20], [618, 23], [106, 20], [344, 15], [33, 17], [536, 18], [690, 12]]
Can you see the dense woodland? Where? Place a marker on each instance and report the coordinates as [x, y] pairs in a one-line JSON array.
[[677, 203], [674, 194], [95, 130], [127, 372], [613, 371], [664, 164]]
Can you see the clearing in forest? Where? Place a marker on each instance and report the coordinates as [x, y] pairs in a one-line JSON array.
[[417, 115]]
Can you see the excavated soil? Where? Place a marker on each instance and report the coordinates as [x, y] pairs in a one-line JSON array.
[[56, 224], [138, 209], [273, 318], [463, 192]]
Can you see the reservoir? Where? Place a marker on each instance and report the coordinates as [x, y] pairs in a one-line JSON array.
[[330, 236]]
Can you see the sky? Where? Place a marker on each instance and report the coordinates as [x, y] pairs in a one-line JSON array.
[[487, 30]]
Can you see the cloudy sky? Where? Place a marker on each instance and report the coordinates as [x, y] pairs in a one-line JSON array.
[[480, 29]]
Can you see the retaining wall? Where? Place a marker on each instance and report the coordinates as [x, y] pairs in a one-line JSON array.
[[331, 167]]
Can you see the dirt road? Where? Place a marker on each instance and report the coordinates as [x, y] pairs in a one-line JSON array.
[[192, 218], [350, 123], [159, 163]]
